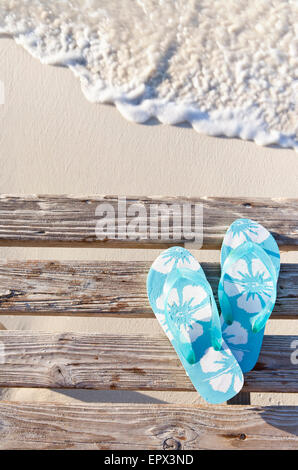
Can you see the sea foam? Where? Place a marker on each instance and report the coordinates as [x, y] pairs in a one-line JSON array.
[[228, 67]]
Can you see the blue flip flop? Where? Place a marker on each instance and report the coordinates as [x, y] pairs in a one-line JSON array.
[[183, 303], [250, 263]]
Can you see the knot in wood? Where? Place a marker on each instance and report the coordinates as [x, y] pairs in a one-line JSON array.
[[171, 444]]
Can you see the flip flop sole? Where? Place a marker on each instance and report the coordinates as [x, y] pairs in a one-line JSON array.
[[249, 283], [216, 375]]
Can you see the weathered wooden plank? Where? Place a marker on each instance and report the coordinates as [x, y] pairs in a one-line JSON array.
[[150, 427], [71, 220], [104, 288], [126, 362]]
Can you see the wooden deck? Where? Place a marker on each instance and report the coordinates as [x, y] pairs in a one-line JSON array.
[[68, 220], [125, 362], [151, 427], [129, 362], [97, 288]]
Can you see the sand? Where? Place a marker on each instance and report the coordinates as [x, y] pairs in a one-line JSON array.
[[52, 140]]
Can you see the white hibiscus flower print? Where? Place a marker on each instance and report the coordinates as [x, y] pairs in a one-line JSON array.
[[245, 230], [175, 257], [213, 360], [221, 362], [221, 383], [238, 383], [238, 354], [187, 307], [235, 333], [162, 320], [250, 283]]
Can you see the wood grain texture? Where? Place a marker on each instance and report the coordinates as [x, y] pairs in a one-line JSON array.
[[104, 288], [126, 362], [70, 220], [150, 427]]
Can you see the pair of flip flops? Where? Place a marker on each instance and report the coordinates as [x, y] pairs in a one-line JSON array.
[[216, 350]]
